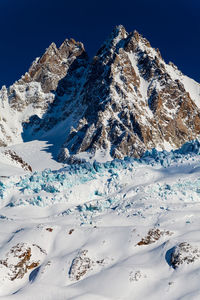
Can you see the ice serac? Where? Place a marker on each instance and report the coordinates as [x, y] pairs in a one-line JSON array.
[[29, 99], [134, 100]]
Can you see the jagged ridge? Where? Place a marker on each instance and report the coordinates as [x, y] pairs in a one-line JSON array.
[[125, 101]]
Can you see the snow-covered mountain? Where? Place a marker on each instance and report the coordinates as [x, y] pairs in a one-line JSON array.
[[123, 102], [31, 97], [122, 221]]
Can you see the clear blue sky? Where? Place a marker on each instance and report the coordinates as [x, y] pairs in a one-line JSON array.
[[28, 27]]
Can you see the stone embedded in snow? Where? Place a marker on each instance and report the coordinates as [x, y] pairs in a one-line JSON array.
[[135, 276], [153, 235], [71, 231], [20, 260], [49, 229], [184, 253], [82, 264]]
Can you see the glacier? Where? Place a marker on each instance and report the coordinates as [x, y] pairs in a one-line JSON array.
[[76, 231], [98, 179]]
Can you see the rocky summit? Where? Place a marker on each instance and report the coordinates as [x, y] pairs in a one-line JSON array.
[[124, 101]]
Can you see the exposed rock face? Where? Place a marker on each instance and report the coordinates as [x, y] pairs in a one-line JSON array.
[[21, 259], [34, 94], [125, 101], [47, 71], [66, 98], [82, 264], [153, 235], [184, 253], [18, 160], [133, 103], [53, 65]]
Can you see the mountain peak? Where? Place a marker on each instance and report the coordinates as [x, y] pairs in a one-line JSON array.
[[124, 102], [52, 46], [133, 100], [139, 38], [117, 35], [119, 31], [54, 63], [71, 47]]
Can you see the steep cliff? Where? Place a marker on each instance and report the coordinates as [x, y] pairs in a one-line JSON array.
[[33, 95], [123, 102], [134, 101]]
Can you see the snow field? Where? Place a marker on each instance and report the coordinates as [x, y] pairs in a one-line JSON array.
[[103, 230]]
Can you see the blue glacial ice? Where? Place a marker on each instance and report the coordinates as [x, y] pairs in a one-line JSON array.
[[49, 187]]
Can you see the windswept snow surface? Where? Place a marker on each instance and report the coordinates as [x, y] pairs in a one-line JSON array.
[[123, 229]]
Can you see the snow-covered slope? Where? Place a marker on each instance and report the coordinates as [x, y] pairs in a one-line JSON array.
[[125, 229], [191, 86]]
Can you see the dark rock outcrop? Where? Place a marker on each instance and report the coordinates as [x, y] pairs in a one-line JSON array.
[[184, 253]]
